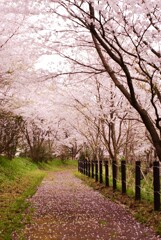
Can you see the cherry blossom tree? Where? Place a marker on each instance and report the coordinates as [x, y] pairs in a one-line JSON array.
[[126, 37], [61, 56]]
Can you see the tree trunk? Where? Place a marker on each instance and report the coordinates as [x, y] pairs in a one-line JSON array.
[[132, 100]]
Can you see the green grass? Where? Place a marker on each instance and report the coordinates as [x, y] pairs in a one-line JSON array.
[[19, 179], [57, 165], [146, 182]]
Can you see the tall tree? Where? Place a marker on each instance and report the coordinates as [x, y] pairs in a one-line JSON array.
[[126, 37]]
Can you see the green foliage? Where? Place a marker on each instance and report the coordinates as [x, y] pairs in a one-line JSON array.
[[82, 156], [40, 153], [57, 164], [122, 158]]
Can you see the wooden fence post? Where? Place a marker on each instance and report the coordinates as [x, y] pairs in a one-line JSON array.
[[114, 174], [78, 165], [106, 174], [100, 171], [92, 169], [156, 183], [123, 176], [89, 168], [96, 171], [84, 167], [138, 180]]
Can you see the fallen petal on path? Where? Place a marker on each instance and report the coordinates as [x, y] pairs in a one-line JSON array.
[[67, 209]]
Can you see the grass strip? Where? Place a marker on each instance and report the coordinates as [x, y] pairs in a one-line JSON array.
[[19, 179]]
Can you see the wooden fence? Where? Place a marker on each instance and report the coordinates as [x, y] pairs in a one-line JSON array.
[[107, 173]]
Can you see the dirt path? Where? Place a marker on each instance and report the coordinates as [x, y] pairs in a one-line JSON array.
[[66, 209]]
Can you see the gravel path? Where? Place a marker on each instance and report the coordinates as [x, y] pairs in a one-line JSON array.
[[66, 209]]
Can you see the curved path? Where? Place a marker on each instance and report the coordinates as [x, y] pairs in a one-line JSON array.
[[66, 209]]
